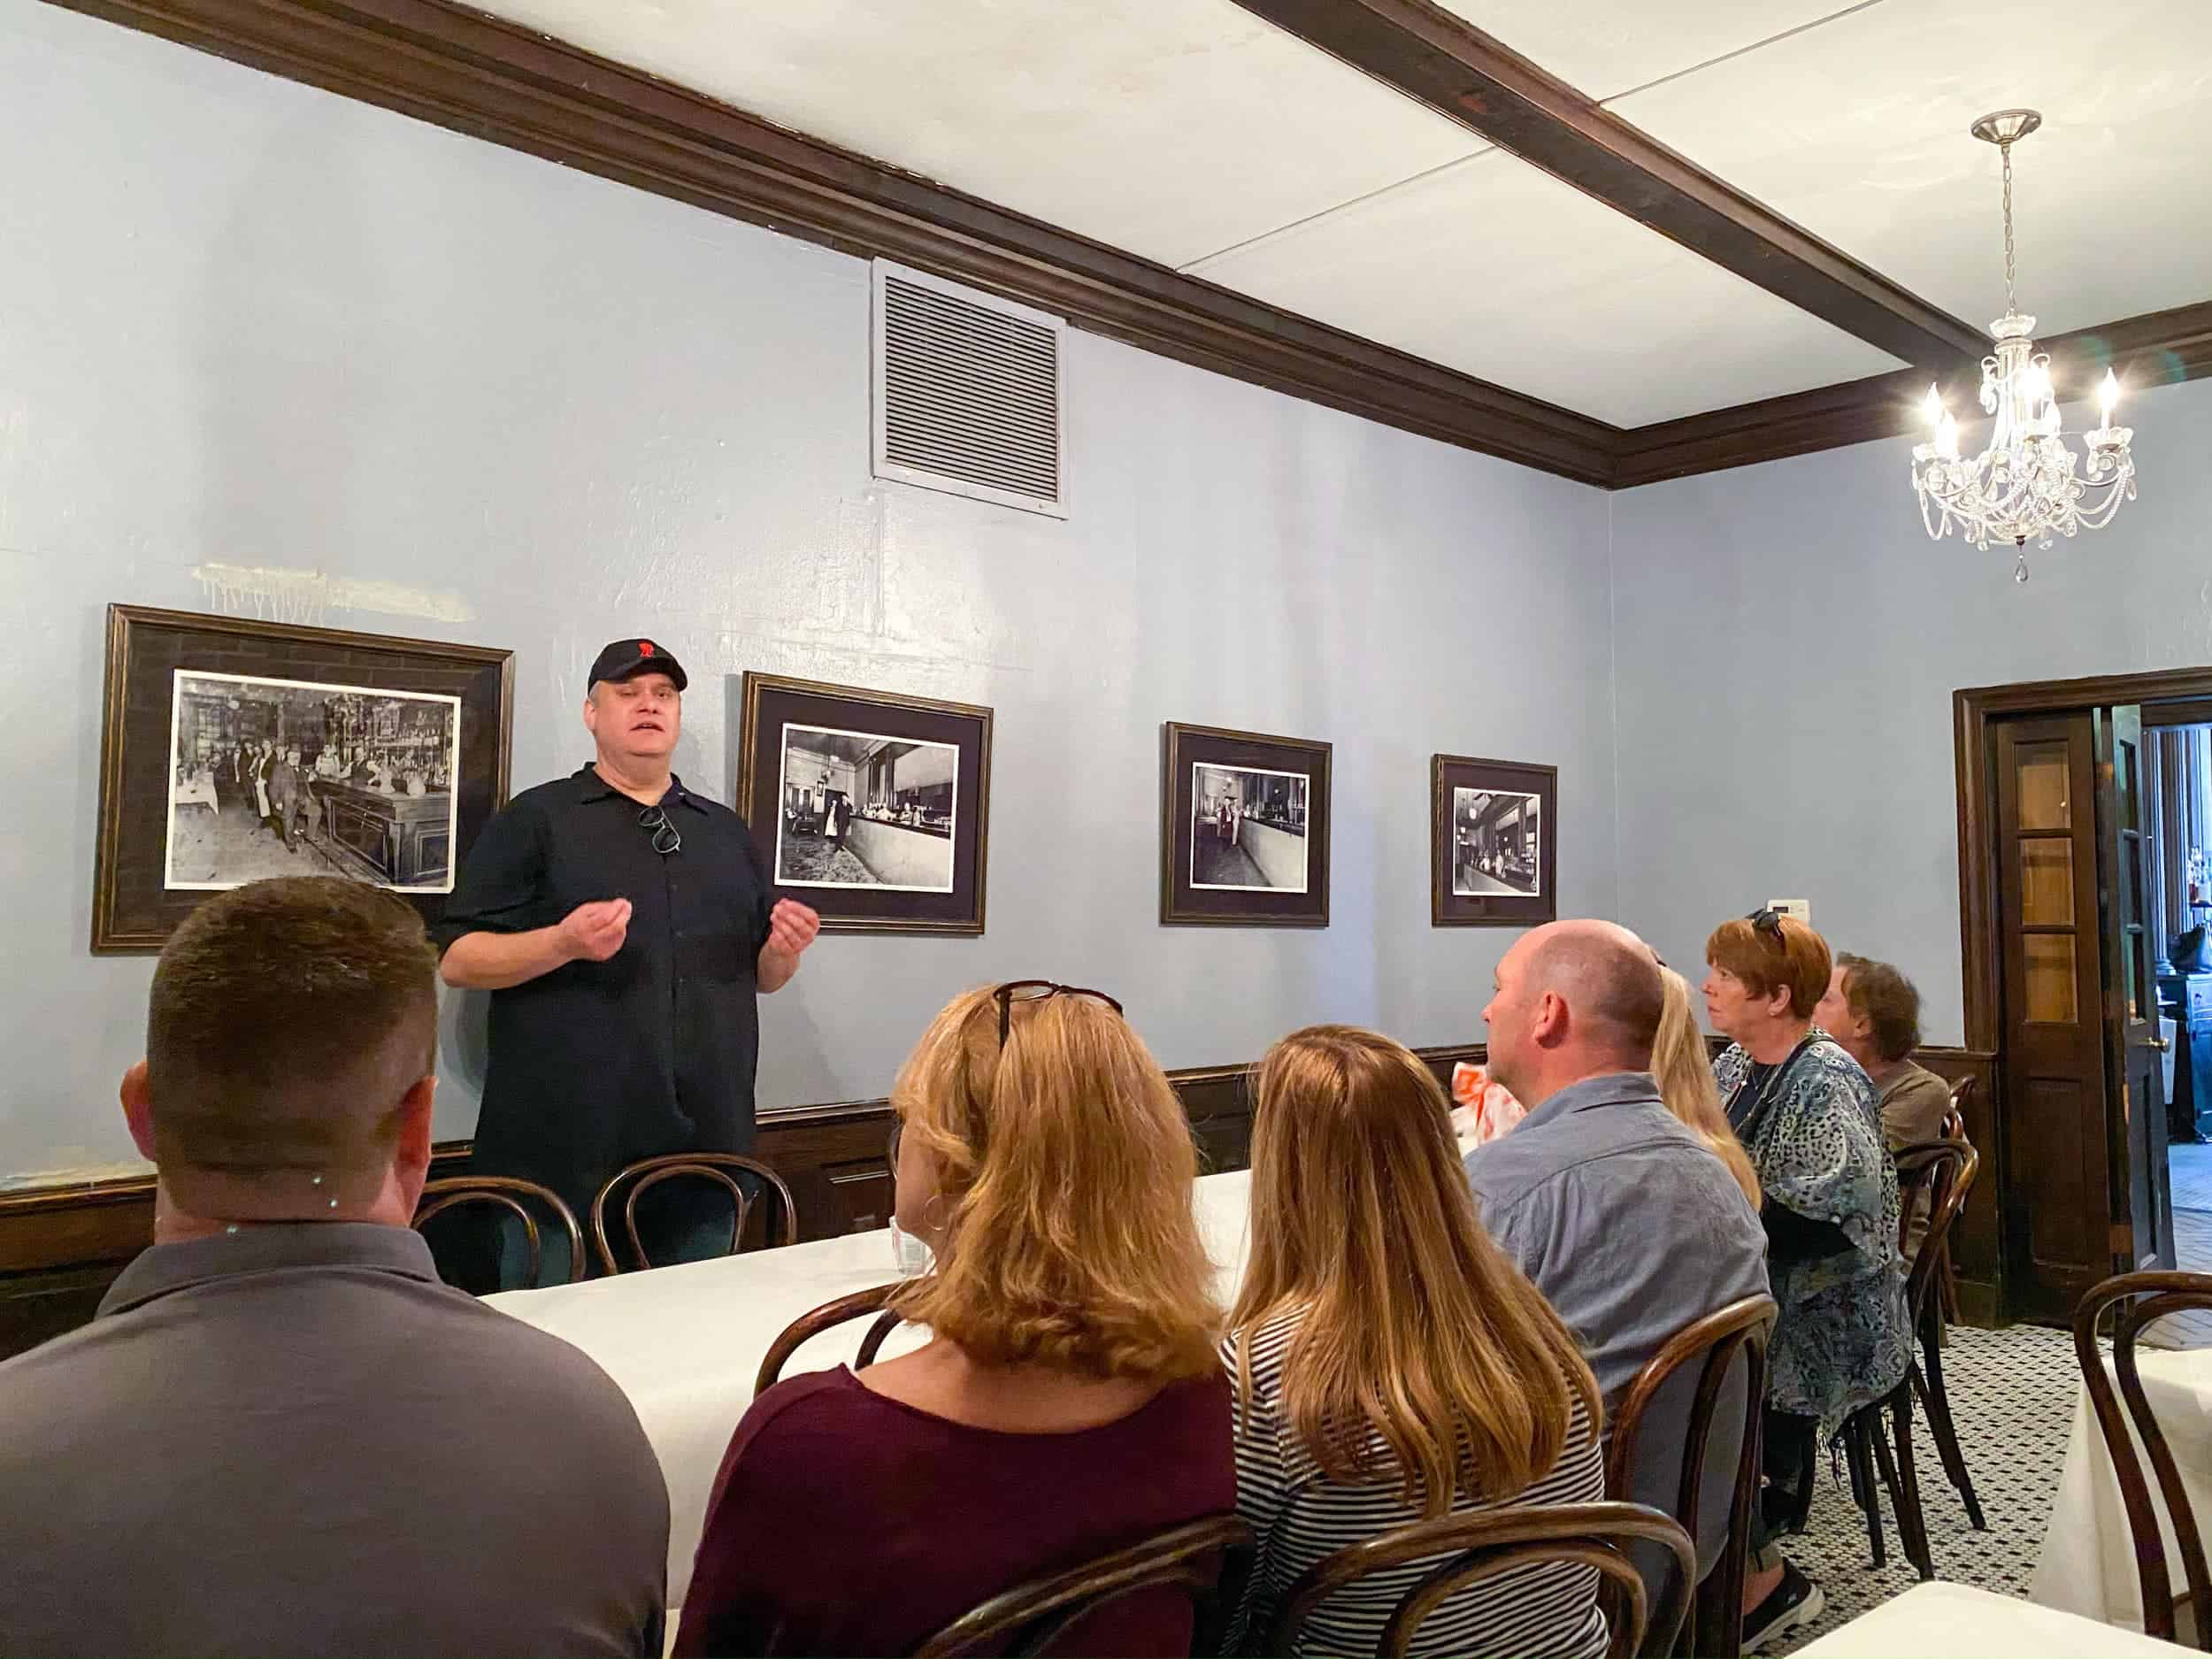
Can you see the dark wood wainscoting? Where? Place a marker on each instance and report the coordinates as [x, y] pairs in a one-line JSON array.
[[60, 1247], [1977, 1244]]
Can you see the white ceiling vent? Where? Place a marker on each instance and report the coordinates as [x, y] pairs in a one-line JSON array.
[[967, 392]]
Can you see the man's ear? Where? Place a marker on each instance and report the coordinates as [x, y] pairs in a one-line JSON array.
[[410, 1159], [137, 1095]]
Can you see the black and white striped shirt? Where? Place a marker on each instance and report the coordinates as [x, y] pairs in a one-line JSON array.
[[1300, 1515]]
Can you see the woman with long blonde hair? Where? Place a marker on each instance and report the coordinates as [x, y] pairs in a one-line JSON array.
[[1070, 1400], [1683, 1067], [1391, 1364]]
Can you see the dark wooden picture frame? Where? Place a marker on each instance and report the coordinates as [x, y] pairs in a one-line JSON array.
[[1462, 892], [1290, 819], [133, 908], [927, 875]]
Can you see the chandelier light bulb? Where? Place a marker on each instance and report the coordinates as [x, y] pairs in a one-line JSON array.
[[1947, 439], [2108, 397], [1933, 407]]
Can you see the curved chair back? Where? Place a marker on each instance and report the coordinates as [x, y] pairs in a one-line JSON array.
[[1200, 1558], [714, 1168], [1945, 1170], [1955, 1119], [507, 1196], [1491, 1542], [1713, 1345], [830, 1314], [2135, 1300]]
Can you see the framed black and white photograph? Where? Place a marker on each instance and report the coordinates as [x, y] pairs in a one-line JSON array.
[[1492, 848], [286, 777], [869, 806], [234, 749], [1245, 830]]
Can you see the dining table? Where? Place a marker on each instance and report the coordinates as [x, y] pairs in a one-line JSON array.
[[685, 1343], [2086, 1564], [1938, 1617]]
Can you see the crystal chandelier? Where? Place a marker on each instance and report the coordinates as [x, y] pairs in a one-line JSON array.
[[2027, 483]]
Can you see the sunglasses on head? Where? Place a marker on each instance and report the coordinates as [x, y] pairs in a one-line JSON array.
[[1767, 920], [1037, 991]]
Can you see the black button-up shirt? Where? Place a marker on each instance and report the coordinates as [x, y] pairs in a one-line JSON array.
[[599, 1063]]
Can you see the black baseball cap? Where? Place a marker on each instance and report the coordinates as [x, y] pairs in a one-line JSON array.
[[626, 657]]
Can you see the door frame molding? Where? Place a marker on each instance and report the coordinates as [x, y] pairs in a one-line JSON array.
[[1972, 711], [1981, 961]]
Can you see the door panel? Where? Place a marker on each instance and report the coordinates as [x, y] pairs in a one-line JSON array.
[[2062, 1202], [2142, 1185]]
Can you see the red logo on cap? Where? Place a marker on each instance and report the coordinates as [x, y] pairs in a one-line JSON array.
[[645, 647]]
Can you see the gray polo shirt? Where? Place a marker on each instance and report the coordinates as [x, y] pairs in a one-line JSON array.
[[295, 1440], [1622, 1216]]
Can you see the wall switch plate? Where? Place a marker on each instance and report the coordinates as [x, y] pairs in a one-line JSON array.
[[1801, 909]]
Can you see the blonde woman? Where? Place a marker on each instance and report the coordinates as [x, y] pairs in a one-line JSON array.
[[1070, 1400], [1683, 1067], [1391, 1364]]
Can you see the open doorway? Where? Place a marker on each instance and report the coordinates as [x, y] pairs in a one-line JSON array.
[[2177, 822], [2081, 803]]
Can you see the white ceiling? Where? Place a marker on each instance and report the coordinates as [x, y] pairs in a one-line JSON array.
[[1193, 133], [2113, 197]]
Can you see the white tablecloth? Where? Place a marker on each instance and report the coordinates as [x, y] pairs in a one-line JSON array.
[[1955, 1618], [685, 1342], [2087, 1565]]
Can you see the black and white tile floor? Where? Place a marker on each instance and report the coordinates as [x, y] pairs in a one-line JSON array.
[[2012, 1396]]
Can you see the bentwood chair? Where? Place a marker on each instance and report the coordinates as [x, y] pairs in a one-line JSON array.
[[1679, 1393], [2135, 1300], [1943, 1170], [1207, 1560], [465, 1260], [828, 1317], [1947, 1273], [1490, 1543], [730, 1171], [1939, 1305]]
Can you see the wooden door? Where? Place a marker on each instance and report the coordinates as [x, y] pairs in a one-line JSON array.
[[2142, 1185], [2065, 1221]]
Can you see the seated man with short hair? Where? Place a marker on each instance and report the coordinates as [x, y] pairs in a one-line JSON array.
[[1620, 1213], [283, 1434]]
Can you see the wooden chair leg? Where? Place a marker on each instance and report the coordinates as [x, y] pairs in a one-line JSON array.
[[1937, 1403], [1912, 1526], [1807, 1464], [1862, 1477]]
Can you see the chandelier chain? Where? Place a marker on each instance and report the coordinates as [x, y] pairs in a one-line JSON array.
[[2011, 304]]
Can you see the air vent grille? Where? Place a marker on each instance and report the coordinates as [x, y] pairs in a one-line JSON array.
[[967, 392]]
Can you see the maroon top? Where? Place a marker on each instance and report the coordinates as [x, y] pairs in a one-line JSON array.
[[845, 1523]]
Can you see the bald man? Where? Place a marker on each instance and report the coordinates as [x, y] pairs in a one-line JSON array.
[[1613, 1207]]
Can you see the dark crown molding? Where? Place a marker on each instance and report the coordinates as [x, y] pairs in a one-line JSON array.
[[2157, 348], [492, 79]]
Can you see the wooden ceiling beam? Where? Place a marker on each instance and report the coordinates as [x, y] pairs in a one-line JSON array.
[[1454, 69]]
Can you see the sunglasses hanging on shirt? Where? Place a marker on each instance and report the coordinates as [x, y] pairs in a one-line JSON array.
[[666, 839]]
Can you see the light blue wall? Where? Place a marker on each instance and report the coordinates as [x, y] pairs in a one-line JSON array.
[[1788, 642], [242, 321]]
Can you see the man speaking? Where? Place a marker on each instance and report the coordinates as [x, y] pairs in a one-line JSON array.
[[623, 927]]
